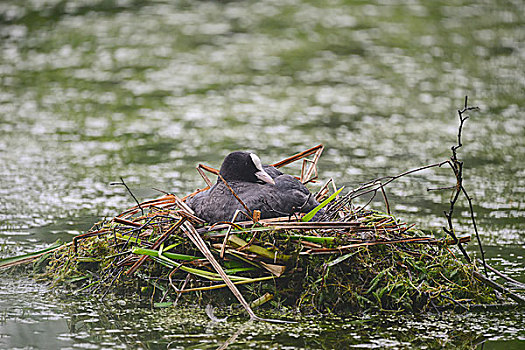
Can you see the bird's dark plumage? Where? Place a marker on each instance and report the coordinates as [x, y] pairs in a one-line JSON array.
[[252, 182]]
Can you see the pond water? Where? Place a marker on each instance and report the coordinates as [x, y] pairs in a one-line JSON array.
[[95, 90]]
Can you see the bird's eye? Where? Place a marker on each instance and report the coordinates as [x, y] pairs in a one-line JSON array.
[[256, 161]]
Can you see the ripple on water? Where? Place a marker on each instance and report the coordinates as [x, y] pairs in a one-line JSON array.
[[95, 90]]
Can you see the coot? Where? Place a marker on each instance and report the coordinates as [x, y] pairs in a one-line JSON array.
[[263, 188]]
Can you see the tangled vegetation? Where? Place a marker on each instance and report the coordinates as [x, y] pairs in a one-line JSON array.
[[372, 261]]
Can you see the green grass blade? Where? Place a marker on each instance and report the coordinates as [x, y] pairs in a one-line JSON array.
[[314, 211], [217, 286], [164, 260], [128, 238], [174, 256], [314, 239], [258, 250], [342, 258], [5, 262], [240, 269]]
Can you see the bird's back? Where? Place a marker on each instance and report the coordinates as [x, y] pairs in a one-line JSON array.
[[287, 196]]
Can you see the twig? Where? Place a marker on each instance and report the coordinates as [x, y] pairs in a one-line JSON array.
[[179, 292], [415, 240], [386, 199], [126, 222], [454, 301], [183, 205], [235, 195], [203, 175], [457, 168], [324, 190], [199, 243], [225, 241], [298, 156], [117, 275], [499, 288], [372, 187], [87, 235], [502, 275], [475, 227], [160, 202], [131, 193], [311, 172]]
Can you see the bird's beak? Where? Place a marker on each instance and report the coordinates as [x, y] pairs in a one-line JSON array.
[[263, 175]]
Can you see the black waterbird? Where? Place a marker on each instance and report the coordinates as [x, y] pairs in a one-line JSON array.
[[260, 187]]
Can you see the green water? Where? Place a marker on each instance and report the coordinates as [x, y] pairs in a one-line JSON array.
[[95, 90]]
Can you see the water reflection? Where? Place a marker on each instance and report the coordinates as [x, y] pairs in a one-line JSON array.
[[118, 323]]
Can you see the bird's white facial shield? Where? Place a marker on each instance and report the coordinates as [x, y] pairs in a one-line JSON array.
[[261, 174]]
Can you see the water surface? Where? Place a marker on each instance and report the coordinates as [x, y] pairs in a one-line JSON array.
[[95, 90]]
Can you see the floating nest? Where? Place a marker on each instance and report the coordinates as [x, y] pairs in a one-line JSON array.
[[353, 259]]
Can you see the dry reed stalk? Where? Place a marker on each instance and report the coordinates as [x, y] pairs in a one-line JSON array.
[[126, 222], [194, 236], [87, 235], [237, 212], [200, 168], [418, 240], [298, 156], [197, 191], [321, 225], [159, 202]]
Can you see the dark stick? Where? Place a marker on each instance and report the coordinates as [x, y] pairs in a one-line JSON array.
[[156, 245], [499, 288], [454, 301], [111, 283], [87, 235], [475, 228], [136, 231], [131, 193], [502, 275], [386, 199], [236, 196], [441, 188], [457, 167], [374, 185]]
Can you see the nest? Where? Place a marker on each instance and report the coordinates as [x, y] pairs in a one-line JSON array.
[[354, 259]]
